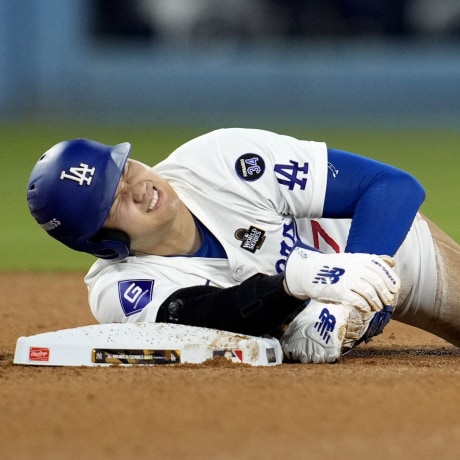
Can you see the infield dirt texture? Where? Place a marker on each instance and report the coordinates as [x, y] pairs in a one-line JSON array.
[[395, 398]]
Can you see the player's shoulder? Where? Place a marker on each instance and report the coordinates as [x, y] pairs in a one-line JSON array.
[[120, 269], [233, 139], [103, 271], [248, 134], [244, 133], [137, 267]]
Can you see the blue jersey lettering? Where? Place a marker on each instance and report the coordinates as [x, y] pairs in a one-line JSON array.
[[292, 174]]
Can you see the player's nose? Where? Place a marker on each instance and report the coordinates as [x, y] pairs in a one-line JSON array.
[[137, 191]]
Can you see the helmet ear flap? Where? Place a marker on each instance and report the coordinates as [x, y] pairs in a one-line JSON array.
[[111, 244]]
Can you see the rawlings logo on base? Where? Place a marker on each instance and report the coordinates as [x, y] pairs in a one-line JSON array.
[[39, 354]]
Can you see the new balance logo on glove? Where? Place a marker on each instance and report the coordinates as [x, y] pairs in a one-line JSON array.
[[328, 275], [315, 335], [325, 325]]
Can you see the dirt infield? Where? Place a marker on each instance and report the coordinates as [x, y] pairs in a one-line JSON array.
[[395, 398]]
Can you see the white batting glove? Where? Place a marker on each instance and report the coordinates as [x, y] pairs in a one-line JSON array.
[[320, 331], [342, 278]]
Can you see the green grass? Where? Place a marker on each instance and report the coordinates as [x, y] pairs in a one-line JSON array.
[[430, 155]]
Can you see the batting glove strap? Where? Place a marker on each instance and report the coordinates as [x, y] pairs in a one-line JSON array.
[[377, 324]]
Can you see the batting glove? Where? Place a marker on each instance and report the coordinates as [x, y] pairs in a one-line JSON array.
[[322, 332], [317, 333], [342, 278]]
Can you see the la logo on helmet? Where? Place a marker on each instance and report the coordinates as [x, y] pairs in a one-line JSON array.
[[82, 174]]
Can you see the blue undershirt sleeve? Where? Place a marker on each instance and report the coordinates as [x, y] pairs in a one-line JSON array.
[[382, 201]]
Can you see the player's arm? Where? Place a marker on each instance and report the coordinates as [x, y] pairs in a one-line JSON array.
[[383, 202], [257, 306], [381, 199]]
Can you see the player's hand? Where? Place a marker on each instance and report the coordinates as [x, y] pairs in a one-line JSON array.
[[342, 278], [322, 332], [374, 325], [317, 334]]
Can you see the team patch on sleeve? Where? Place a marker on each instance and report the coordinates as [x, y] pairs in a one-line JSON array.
[[250, 166], [134, 295]]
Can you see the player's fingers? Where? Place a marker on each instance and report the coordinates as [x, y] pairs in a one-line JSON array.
[[384, 290], [368, 293], [383, 269], [388, 260], [364, 304]]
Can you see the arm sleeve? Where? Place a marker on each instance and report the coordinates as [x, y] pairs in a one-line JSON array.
[[382, 201], [257, 306]]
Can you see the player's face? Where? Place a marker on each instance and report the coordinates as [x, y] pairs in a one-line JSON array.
[[145, 206]]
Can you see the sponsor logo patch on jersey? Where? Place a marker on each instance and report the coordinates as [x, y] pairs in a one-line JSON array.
[[250, 166], [251, 239], [134, 295]]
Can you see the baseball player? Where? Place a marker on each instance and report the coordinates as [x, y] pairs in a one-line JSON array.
[[253, 232]]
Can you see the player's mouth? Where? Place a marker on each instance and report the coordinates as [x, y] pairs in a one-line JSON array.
[[154, 202]]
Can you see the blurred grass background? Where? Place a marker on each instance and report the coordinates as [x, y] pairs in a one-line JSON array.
[[429, 154]]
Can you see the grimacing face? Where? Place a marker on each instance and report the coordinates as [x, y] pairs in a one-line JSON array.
[[145, 206]]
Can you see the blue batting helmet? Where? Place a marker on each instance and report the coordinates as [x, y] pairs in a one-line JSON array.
[[71, 190]]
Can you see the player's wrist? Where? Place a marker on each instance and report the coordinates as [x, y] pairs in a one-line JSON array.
[[296, 276], [289, 293]]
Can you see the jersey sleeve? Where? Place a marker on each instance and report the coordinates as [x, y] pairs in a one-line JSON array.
[[127, 292], [269, 170], [133, 290], [295, 175]]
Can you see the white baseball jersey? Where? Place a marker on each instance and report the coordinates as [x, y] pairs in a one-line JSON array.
[[258, 193]]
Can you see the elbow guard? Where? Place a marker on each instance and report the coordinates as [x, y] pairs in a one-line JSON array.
[[257, 306]]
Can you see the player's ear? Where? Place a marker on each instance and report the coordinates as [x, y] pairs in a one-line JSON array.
[[111, 244]]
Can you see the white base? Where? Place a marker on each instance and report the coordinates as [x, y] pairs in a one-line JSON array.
[[143, 344]]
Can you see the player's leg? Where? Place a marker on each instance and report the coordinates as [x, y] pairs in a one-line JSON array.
[[446, 321], [443, 317]]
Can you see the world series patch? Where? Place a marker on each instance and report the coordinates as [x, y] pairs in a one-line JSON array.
[[252, 239], [250, 166]]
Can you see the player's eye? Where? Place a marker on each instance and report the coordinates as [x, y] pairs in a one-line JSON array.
[[117, 197], [127, 174]]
